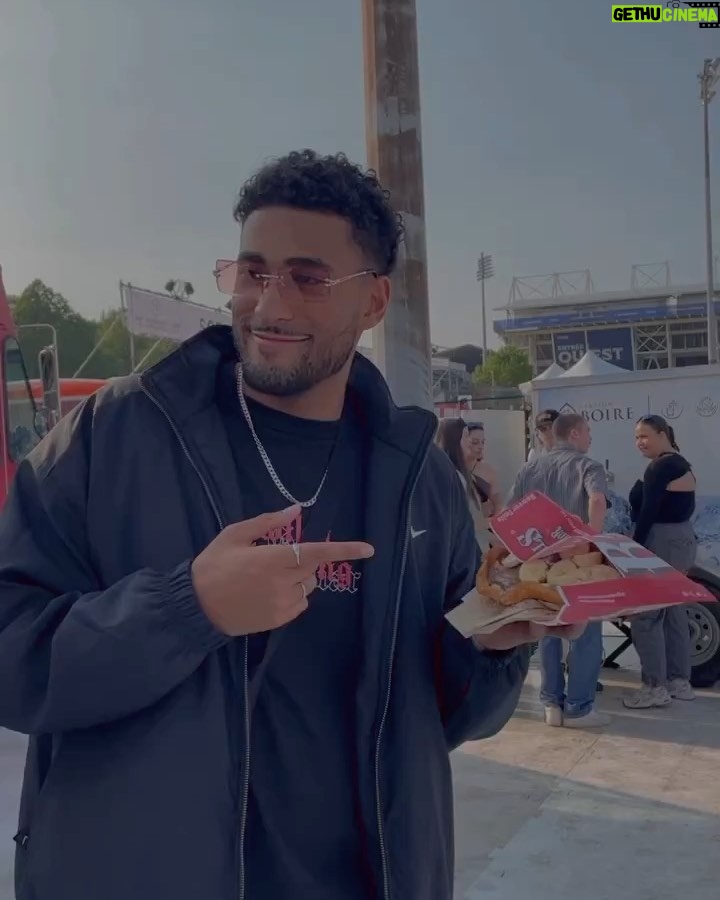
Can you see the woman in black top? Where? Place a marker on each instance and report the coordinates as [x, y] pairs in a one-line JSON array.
[[662, 506]]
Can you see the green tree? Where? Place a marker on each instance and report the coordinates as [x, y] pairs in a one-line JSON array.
[[507, 367], [107, 339], [113, 356], [39, 305]]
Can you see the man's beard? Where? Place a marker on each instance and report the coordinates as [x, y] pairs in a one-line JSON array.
[[311, 369]]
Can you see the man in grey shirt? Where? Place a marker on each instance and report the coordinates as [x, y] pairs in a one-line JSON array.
[[569, 477]]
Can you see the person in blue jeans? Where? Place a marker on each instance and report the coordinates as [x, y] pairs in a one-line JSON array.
[[570, 704], [577, 483]]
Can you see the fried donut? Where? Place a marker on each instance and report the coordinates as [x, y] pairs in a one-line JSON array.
[[564, 567], [527, 590], [482, 579], [524, 590], [585, 560], [534, 571], [601, 573]]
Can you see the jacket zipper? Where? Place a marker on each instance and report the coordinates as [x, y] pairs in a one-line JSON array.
[[246, 775], [383, 718], [221, 525], [386, 706], [188, 455]]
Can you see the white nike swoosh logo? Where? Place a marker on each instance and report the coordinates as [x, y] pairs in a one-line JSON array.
[[414, 534]]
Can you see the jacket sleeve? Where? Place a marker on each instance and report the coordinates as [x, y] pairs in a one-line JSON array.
[[478, 690], [75, 653], [518, 490]]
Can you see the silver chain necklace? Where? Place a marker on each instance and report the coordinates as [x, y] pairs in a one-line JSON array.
[[305, 504]]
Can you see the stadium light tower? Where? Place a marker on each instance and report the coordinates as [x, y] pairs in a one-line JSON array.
[[709, 78], [485, 270]]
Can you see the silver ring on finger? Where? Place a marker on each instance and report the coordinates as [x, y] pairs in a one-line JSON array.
[[296, 550]]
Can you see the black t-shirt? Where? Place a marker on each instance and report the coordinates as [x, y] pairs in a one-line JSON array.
[[650, 500], [302, 840]]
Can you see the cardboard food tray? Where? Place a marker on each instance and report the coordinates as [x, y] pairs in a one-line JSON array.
[[537, 528]]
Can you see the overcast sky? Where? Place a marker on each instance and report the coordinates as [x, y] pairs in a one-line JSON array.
[[553, 138]]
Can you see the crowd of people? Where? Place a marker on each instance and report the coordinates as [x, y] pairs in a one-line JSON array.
[[662, 503]]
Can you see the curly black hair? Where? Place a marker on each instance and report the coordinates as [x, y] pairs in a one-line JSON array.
[[332, 184]]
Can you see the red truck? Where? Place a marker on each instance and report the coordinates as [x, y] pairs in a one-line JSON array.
[[24, 410]]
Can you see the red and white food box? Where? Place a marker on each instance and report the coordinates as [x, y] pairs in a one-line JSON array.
[[535, 528]]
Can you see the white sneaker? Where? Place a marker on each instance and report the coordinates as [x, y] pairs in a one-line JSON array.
[[593, 719], [648, 698], [553, 716], [681, 689]]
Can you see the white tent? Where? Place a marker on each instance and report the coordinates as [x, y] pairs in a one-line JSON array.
[[591, 364], [554, 371]]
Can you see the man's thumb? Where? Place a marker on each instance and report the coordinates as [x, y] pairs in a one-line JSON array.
[[251, 530]]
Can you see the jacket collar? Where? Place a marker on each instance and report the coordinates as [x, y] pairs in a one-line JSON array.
[[185, 383], [565, 446]]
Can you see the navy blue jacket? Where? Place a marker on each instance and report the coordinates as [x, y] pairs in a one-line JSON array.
[[137, 773]]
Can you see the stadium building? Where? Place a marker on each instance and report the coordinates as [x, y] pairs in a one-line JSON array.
[[654, 325]]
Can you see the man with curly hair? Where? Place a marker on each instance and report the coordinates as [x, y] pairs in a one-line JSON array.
[[222, 596]]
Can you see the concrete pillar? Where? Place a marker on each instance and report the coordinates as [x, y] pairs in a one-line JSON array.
[[401, 346]]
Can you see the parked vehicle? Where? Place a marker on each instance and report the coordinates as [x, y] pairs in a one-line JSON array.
[[26, 410]]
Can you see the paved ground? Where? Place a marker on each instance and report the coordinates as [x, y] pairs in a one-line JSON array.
[[629, 812], [12, 755], [546, 814]]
